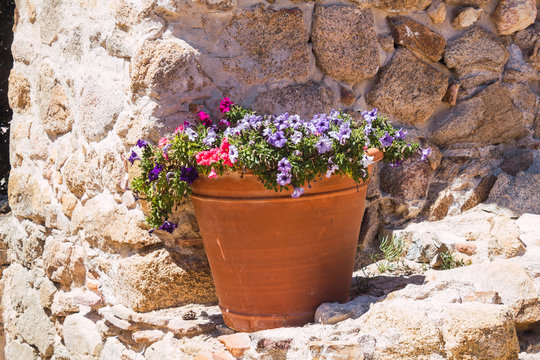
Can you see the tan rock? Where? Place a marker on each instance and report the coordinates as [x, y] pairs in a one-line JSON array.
[[345, 42], [63, 263], [163, 279], [386, 41], [237, 344], [417, 37], [81, 336], [305, 100], [19, 92], [396, 6], [20, 351], [485, 297], [275, 42], [475, 3], [467, 17], [321, 350], [69, 201], [35, 327], [147, 336], [508, 279], [466, 248], [167, 69], [514, 15], [408, 89], [437, 12], [180, 326], [504, 240], [29, 194]]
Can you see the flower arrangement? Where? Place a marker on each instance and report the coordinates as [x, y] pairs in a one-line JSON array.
[[284, 152]]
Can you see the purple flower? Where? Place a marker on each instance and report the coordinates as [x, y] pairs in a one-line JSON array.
[[324, 144], [396, 164], [295, 122], [298, 191], [284, 178], [187, 124], [189, 174], [369, 116], [255, 121], [368, 128], [154, 173], [386, 140], [210, 137], [142, 143], [343, 134], [168, 227], [424, 153], [284, 165], [321, 123], [192, 135], [333, 116], [331, 171], [233, 153], [133, 157], [267, 131], [223, 124], [278, 139], [282, 121], [401, 134], [296, 137]]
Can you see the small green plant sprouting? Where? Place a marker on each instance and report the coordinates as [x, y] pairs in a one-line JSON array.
[[449, 262], [392, 249]]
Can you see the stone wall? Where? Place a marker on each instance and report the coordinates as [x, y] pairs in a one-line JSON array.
[[86, 280]]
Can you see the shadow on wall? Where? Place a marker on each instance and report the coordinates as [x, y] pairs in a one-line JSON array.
[[7, 9]]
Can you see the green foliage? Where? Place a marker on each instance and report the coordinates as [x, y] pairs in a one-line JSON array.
[[391, 251], [248, 144], [449, 262]]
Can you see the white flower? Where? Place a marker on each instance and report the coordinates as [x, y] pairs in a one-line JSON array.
[[367, 160]]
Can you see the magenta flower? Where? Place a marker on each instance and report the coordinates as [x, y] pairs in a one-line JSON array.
[[225, 105], [205, 119]]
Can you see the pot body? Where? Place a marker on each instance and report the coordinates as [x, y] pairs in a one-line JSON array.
[[275, 259]]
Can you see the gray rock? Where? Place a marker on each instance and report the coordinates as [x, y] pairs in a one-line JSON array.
[[409, 181], [408, 88], [476, 56], [332, 313], [305, 100], [417, 37], [345, 42], [81, 336], [518, 194], [516, 161], [517, 69], [483, 119], [425, 247]]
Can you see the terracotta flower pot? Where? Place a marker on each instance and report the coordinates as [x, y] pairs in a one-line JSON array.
[[274, 258]]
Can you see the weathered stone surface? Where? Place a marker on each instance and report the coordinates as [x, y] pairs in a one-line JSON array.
[[516, 69], [504, 240], [168, 70], [483, 119], [397, 6], [163, 279], [29, 194], [408, 88], [428, 330], [112, 349], [68, 302], [101, 102], [19, 92], [439, 208], [22, 242], [479, 193], [508, 279], [36, 328], [437, 12], [108, 224], [332, 313], [190, 327], [425, 247], [514, 15], [517, 161], [49, 18], [346, 96], [476, 3], [345, 42], [305, 100], [417, 37], [237, 344], [467, 17], [517, 194], [81, 336], [63, 263], [264, 43], [147, 336], [386, 41], [466, 248], [20, 351], [476, 56], [409, 181]]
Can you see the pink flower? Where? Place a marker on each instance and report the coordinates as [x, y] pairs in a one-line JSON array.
[[205, 118], [179, 129], [163, 142], [212, 174], [225, 105]]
